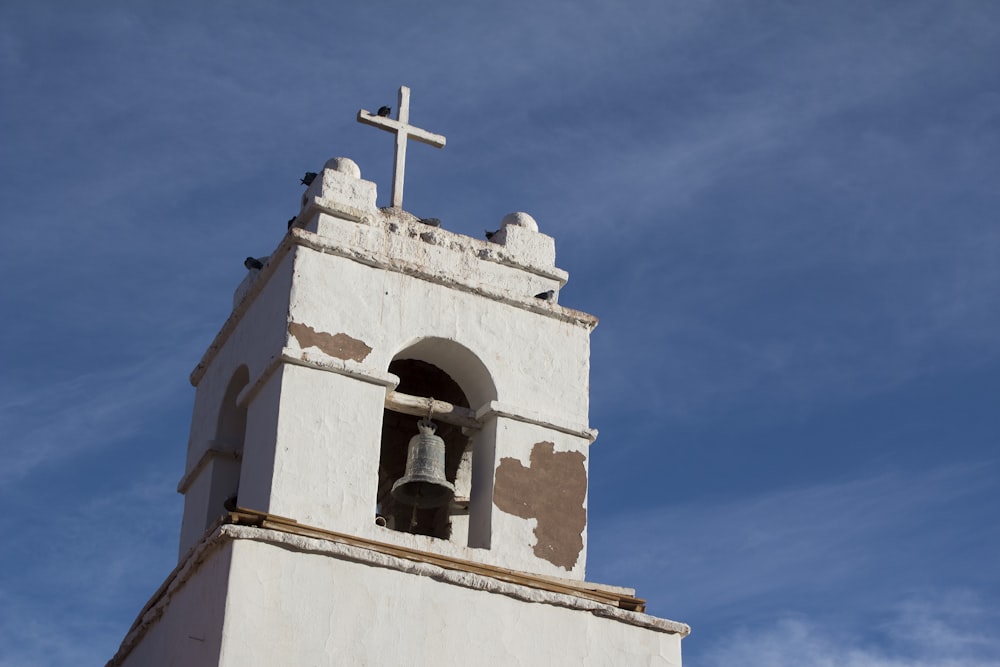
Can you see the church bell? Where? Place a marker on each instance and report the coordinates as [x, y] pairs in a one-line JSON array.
[[424, 483]]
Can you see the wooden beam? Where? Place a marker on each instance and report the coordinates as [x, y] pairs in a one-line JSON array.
[[443, 411]]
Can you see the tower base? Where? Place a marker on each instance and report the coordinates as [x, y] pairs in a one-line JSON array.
[[259, 596]]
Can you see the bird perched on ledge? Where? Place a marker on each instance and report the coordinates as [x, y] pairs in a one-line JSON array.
[[253, 264], [383, 111], [547, 295], [308, 178]]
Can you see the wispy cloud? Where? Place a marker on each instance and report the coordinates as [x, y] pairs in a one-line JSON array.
[[54, 422], [847, 539], [953, 631], [766, 244]]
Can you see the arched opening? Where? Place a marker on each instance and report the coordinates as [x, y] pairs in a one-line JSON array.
[[446, 372], [420, 378], [230, 431]]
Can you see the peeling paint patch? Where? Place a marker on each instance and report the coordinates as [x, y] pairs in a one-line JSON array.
[[550, 490], [338, 345]]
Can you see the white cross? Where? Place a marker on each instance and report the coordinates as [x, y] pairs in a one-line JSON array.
[[402, 129]]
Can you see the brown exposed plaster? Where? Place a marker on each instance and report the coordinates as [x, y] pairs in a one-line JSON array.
[[339, 345], [550, 490]]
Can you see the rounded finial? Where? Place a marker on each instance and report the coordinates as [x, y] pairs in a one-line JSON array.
[[344, 165], [519, 219]]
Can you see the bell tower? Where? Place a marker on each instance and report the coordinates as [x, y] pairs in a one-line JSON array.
[[360, 323], [390, 429]]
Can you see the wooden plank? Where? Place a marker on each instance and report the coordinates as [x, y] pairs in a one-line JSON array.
[[443, 411]]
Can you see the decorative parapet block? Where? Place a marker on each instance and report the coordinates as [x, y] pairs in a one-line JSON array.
[[340, 186], [529, 247]]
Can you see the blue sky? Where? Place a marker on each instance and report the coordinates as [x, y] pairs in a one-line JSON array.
[[785, 215]]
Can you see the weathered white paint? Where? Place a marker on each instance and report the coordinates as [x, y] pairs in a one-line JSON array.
[[294, 600]]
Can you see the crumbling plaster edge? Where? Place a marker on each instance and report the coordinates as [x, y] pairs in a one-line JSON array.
[[455, 577], [487, 251], [484, 250]]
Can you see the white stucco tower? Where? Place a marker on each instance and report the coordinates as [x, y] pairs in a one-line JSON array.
[[293, 550]]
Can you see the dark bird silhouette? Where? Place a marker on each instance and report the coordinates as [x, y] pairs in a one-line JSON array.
[[308, 179], [431, 222], [383, 111], [252, 264], [547, 295], [291, 221], [490, 235]]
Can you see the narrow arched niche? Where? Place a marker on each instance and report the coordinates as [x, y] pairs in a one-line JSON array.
[[231, 426], [227, 446]]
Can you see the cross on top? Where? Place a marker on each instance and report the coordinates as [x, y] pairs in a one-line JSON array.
[[403, 130]]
